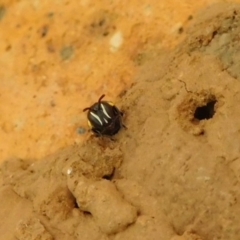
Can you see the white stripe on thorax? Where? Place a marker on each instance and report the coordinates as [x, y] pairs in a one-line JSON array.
[[96, 117], [104, 111]]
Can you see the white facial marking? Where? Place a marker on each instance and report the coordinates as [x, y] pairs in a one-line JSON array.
[[96, 117], [104, 111], [105, 120]]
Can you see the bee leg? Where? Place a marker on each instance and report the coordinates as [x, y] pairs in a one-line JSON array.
[[97, 133], [112, 139]]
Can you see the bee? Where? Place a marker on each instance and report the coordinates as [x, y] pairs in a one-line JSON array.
[[104, 118]]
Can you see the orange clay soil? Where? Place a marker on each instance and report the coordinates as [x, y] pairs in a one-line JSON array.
[[58, 57], [172, 175]]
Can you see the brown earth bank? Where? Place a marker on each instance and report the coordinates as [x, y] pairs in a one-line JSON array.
[[56, 57], [172, 174]]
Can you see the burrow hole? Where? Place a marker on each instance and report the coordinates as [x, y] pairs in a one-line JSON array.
[[205, 112]]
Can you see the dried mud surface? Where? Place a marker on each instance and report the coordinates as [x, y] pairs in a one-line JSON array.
[[56, 57], [171, 175]]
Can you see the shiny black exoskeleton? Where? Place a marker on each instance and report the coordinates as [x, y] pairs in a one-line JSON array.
[[104, 118]]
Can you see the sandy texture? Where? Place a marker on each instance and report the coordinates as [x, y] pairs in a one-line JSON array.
[[57, 57], [172, 174]]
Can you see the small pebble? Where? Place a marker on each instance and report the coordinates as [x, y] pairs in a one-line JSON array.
[[81, 130], [116, 41], [69, 171], [66, 52]]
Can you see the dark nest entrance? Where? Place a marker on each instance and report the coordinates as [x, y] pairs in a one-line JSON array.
[[205, 112]]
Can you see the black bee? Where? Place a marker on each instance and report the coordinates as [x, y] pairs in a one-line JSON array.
[[104, 118]]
